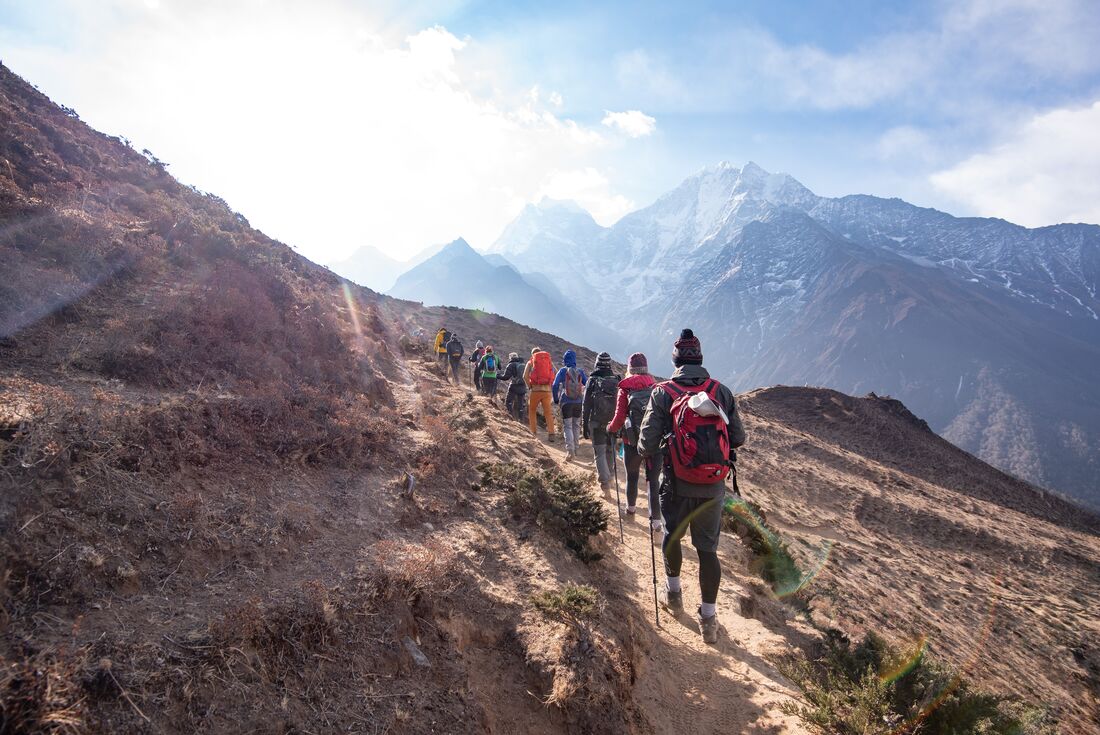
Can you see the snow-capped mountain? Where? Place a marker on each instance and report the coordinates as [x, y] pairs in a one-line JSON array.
[[988, 329]]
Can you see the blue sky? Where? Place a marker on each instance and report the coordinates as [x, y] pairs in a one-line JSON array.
[[335, 124]]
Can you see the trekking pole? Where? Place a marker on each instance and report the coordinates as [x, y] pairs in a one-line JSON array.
[[618, 499], [653, 563], [652, 551]]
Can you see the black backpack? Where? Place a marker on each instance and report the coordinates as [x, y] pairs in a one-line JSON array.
[[636, 403], [604, 395], [517, 376], [454, 349]]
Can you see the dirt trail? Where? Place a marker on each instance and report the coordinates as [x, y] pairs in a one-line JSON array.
[[729, 687]]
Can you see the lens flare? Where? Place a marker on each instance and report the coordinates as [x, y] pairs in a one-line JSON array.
[[353, 309], [906, 664], [787, 579], [913, 724]]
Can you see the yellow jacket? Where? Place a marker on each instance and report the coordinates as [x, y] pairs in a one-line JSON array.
[[439, 346]]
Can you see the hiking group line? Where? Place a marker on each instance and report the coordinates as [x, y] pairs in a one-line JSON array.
[[683, 431]]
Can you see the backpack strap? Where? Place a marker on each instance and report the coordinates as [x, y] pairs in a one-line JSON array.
[[672, 389]]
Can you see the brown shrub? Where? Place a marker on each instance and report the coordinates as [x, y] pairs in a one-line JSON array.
[[448, 455]]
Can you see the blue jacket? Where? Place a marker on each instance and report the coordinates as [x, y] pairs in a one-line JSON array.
[[569, 359]]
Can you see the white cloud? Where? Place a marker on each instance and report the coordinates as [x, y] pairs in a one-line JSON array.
[[589, 188], [328, 128], [635, 123], [973, 50], [1046, 171], [904, 143]]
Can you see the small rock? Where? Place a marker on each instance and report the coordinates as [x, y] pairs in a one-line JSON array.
[[748, 606], [417, 655], [429, 526]]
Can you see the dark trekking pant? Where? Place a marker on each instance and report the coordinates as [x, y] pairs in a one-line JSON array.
[[634, 462], [477, 377], [489, 386], [704, 517], [455, 364], [515, 402], [603, 451]]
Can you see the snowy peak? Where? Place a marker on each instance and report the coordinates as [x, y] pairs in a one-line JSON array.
[[549, 223]]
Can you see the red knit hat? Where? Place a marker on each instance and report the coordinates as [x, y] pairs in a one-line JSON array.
[[687, 350], [637, 360]]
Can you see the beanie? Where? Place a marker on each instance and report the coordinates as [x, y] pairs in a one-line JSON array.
[[513, 356], [687, 350], [637, 364], [603, 361]]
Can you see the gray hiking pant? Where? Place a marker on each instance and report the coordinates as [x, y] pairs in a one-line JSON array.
[[603, 449], [571, 424]]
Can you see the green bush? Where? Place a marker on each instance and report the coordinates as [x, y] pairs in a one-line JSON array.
[[772, 559], [878, 689], [561, 505], [577, 601]]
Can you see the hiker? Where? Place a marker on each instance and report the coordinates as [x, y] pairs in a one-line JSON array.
[[517, 389], [630, 405], [455, 351], [475, 358], [441, 339], [489, 367], [568, 392], [597, 412], [539, 375], [692, 408]]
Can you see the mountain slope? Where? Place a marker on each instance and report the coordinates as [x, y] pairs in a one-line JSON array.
[[986, 328]]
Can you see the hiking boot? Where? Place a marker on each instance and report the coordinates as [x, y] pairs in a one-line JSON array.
[[673, 601], [550, 439], [629, 510], [709, 628]]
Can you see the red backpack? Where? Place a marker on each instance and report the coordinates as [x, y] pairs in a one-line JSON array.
[[542, 371], [699, 446]]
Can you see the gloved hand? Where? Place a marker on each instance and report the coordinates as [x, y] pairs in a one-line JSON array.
[[656, 524]]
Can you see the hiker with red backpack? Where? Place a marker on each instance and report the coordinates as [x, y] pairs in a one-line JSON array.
[[630, 405], [539, 375], [598, 410], [568, 391], [694, 419]]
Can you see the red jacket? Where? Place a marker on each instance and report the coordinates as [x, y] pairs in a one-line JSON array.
[[627, 385]]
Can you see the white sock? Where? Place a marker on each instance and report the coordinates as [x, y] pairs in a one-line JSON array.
[[673, 584], [706, 609]]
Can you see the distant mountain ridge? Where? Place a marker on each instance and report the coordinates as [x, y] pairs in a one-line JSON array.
[[988, 329], [368, 266], [458, 275]]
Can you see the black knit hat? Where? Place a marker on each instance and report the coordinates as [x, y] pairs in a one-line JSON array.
[[603, 361], [687, 350]]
